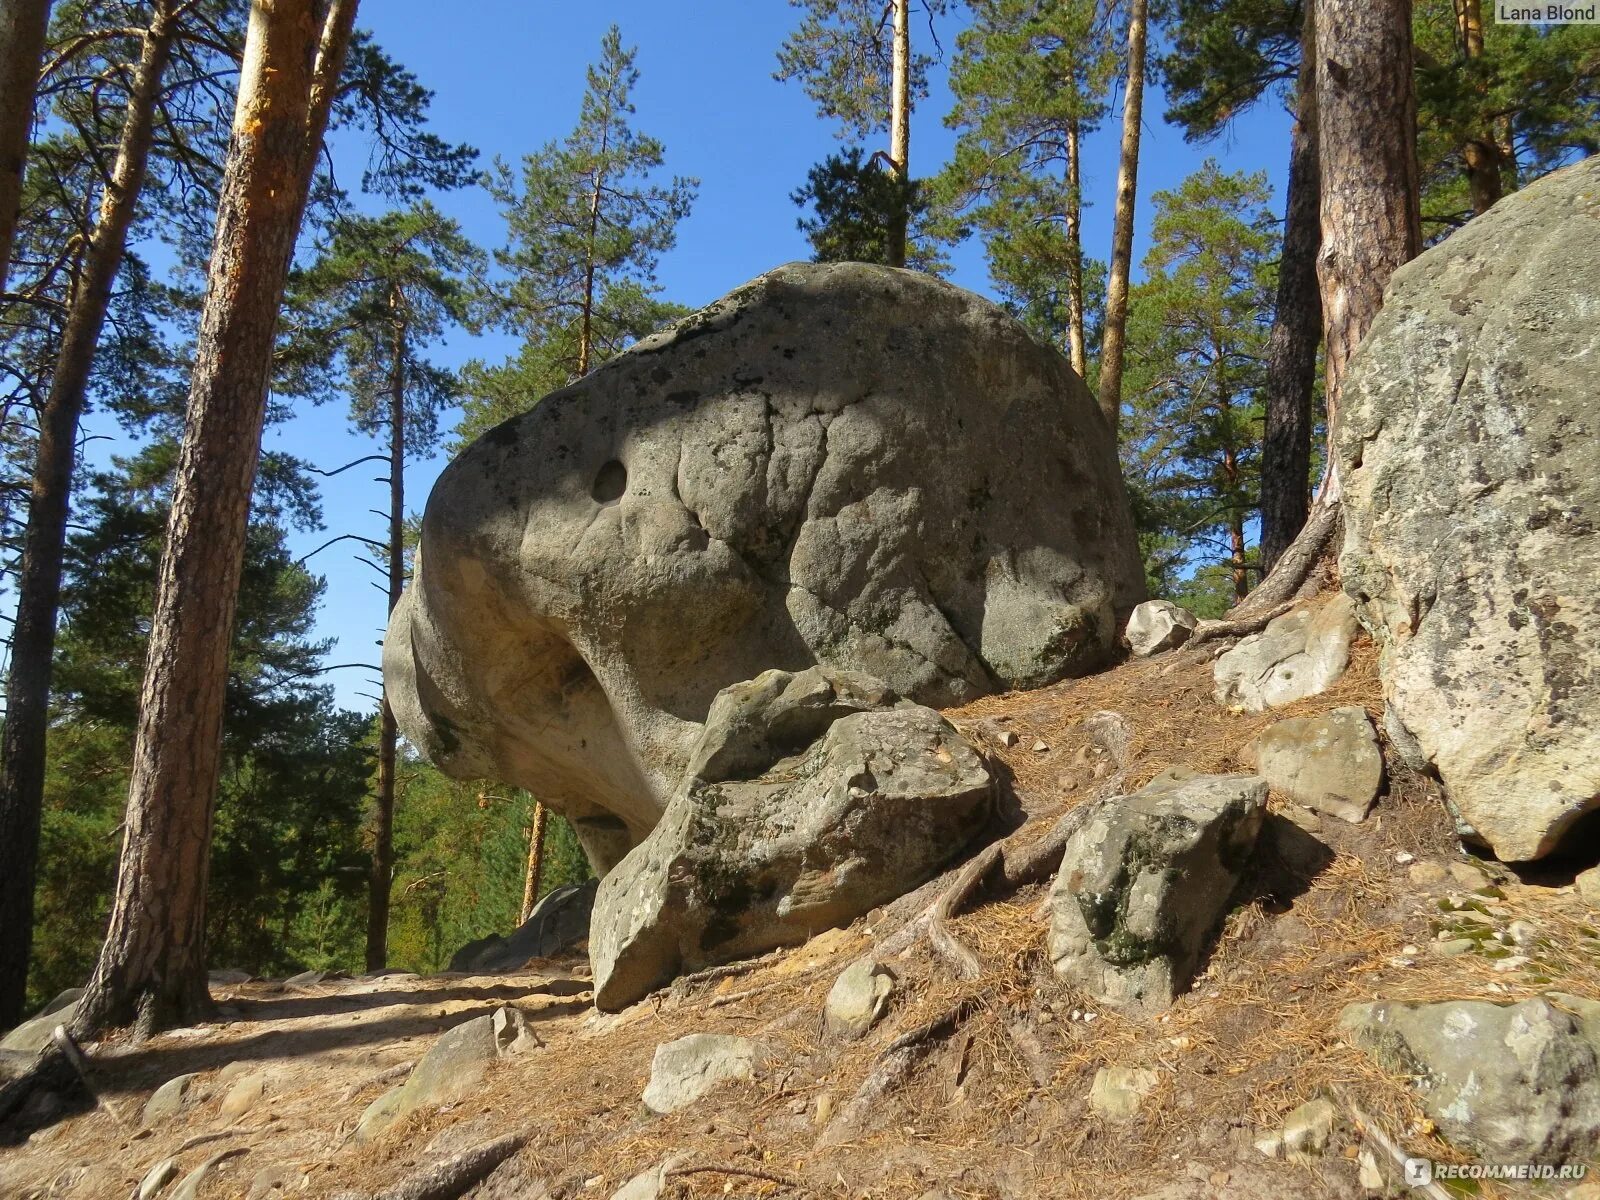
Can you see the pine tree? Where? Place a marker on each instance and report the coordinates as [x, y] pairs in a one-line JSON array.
[[858, 207], [1198, 331], [587, 222], [22, 29], [386, 288], [1031, 82], [854, 59]]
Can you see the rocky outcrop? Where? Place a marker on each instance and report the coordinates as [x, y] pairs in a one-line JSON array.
[[796, 475], [808, 800], [1144, 882], [33, 1034], [1299, 654], [1469, 453], [558, 922], [1518, 1083], [1329, 763], [1158, 625]]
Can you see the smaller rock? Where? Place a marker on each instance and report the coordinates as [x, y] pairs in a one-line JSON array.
[[1588, 885], [226, 976], [1117, 1092], [1040, 747], [651, 1183], [1468, 875], [1299, 654], [244, 1095], [1368, 1174], [454, 1067], [684, 1070], [824, 1112], [33, 1035], [857, 999], [305, 979], [276, 1180], [1427, 874], [170, 1099], [1009, 738], [512, 1033], [1404, 858], [1307, 1130], [1453, 947], [1304, 818], [1158, 625], [157, 1177], [1330, 763]]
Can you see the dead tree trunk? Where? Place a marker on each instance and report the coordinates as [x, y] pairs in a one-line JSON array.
[[1113, 345], [22, 747], [530, 881], [152, 970], [382, 873], [1074, 221], [900, 129], [1296, 329], [1370, 219]]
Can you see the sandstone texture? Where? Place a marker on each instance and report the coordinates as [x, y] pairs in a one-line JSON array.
[[841, 464], [1299, 654], [1469, 451], [809, 799]]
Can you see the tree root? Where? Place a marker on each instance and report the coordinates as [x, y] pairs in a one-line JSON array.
[[456, 1175], [1297, 566], [1237, 627]]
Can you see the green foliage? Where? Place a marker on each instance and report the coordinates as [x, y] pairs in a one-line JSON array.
[[587, 223], [1224, 55], [1028, 78], [1197, 332], [841, 52], [857, 208], [295, 770]]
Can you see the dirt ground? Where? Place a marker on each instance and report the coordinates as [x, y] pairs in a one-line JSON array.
[[995, 1100]]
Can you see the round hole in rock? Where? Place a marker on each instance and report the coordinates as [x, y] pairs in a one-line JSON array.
[[610, 483]]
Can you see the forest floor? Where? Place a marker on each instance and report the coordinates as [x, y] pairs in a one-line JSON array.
[[996, 1099]]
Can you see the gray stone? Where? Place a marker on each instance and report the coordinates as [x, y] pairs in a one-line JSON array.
[[809, 800], [1118, 1092], [1145, 881], [157, 1177], [170, 1099], [858, 998], [243, 1096], [796, 475], [1309, 1128], [1469, 452], [683, 1071], [651, 1183], [1517, 1083], [1300, 654], [454, 1068], [1330, 763], [558, 922], [1158, 625], [226, 976], [33, 1035]]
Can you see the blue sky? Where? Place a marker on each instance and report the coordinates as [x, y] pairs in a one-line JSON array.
[[508, 76]]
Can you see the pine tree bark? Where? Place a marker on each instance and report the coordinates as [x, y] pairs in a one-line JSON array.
[[1370, 194], [152, 970], [23, 743], [1074, 221], [1370, 219], [23, 24], [1296, 329], [900, 129], [1482, 154], [381, 878], [1113, 346]]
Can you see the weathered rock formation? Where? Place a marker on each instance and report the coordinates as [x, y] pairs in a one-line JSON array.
[[1329, 763], [1158, 625], [1145, 881], [1516, 1082], [1469, 449], [809, 800], [558, 922], [842, 465], [1299, 654]]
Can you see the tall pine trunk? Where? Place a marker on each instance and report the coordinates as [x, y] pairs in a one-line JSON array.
[[1074, 220], [152, 969], [23, 24], [1370, 220], [1113, 346], [22, 746], [1481, 154], [900, 130], [382, 874], [530, 880], [1296, 329]]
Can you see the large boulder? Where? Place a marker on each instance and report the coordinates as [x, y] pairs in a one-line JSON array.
[[1330, 763], [809, 800], [1517, 1082], [843, 465], [1145, 881], [558, 922], [1469, 452], [1302, 653]]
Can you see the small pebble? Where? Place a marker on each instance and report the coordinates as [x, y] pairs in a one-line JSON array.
[[1405, 858], [1040, 747]]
